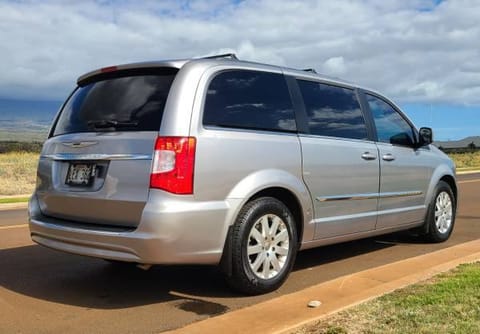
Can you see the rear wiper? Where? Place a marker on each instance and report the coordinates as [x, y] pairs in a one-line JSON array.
[[103, 124]]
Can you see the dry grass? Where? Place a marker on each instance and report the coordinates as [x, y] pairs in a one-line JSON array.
[[18, 170], [466, 160], [17, 173]]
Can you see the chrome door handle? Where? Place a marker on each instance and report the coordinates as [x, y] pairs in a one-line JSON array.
[[388, 157], [368, 156]]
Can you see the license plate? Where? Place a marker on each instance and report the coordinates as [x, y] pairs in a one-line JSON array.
[[81, 174]]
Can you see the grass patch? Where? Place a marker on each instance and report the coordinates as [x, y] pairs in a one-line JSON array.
[[448, 303], [23, 136], [20, 146], [18, 172], [9, 200], [18, 164], [469, 160]]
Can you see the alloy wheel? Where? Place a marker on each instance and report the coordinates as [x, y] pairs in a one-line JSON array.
[[268, 246]]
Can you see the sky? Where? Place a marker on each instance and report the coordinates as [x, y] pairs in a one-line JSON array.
[[423, 54]]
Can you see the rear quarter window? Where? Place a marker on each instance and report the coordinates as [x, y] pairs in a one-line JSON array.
[[122, 102], [249, 100]]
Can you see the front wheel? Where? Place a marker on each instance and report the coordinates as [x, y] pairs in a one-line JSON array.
[[264, 246], [441, 213]]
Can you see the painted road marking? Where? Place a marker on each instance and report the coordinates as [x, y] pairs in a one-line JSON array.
[[13, 226]]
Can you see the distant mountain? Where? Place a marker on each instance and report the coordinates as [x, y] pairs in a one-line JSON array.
[[459, 143], [25, 109], [23, 120]]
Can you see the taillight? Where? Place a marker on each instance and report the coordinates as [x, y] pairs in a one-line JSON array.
[[173, 163]]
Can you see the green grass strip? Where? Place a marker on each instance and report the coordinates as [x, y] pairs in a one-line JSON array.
[[8, 200]]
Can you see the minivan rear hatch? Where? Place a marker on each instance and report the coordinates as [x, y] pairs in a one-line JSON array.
[[95, 167]]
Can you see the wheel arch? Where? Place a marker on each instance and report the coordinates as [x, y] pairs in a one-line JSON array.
[[291, 202], [450, 180], [283, 185], [278, 184], [445, 174], [441, 173]]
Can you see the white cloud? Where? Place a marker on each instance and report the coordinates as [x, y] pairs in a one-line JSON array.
[[413, 50], [335, 65], [245, 50]]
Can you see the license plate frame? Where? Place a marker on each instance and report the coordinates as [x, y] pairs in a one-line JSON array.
[[81, 174]]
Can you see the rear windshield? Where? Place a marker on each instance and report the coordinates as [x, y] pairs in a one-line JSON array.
[[130, 101]]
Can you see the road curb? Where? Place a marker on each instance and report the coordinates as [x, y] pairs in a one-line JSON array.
[[465, 172], [289, 312], [13, 206]]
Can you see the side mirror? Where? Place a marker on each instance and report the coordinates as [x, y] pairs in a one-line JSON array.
[[425, 136]]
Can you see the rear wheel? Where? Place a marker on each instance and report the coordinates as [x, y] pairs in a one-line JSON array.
[[264, 246], [441, 213]]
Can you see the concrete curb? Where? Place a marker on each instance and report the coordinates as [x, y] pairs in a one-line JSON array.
[[15, 196], [288, 312], [13, 206], [465, 172]]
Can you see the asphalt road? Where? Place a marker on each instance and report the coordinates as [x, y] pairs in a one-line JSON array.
[[45, 291], [13, 217]]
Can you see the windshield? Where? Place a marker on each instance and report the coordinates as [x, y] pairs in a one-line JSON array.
[[120, 103]]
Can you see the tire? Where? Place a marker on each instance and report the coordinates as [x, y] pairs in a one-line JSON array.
[[263, 247], [441, 214]]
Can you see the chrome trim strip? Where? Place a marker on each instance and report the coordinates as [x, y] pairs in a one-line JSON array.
[[369, 196], [347, 197], [72, 156], [401, 194]]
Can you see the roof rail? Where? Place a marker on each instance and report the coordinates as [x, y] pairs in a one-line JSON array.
[[224, 55], [310, 70]]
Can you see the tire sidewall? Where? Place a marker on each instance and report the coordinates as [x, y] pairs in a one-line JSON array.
[[434, 233], [261, 207]]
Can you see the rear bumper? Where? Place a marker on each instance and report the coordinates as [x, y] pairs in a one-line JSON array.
[[172, 230]]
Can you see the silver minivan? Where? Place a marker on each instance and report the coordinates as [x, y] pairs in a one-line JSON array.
[[225, 162]]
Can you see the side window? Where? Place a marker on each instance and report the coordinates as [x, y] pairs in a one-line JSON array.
[[391, 126], [332, 111], [249, 100]]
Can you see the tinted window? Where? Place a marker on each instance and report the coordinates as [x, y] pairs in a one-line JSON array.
[[128, 103], [332, 111], [391, 126], [250, 100]]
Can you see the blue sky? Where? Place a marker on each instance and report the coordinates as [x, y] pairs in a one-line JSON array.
[[450, 122], [424, 54]]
